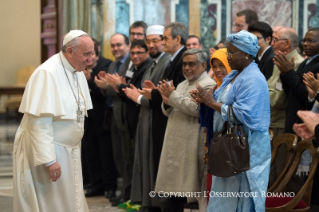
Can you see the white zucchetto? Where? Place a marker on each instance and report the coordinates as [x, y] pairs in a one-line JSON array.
[[73, 34], [155, 30]]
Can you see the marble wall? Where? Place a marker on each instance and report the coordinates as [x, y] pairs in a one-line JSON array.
[[210, 19]]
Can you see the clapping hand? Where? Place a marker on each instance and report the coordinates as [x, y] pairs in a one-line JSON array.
[[149, 84], [132, 92], [311, 83], [306, 130], [284, 65], [165, 89]]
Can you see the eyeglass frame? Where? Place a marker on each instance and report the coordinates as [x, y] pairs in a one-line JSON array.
[[137, 34], [154, 41], [137, 53], [275, 39], [309, 41], [231, 54]]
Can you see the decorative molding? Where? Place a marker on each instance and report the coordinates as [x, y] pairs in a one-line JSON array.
[[173, 9], [228, 17], [131, 5], [218, 18], [306, 15]]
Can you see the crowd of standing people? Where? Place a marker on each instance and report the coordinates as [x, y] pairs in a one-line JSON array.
[[156, 109]]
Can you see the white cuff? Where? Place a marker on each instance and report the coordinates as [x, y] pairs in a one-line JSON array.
[[311, 100], [139, 99], [50, 163]]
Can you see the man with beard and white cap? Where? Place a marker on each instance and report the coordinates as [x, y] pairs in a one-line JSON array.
[[47, 171], [147, 154]]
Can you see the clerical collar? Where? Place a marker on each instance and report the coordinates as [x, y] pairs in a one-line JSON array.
[[176, 53], [262, 54], [158, 58], [66, 64]]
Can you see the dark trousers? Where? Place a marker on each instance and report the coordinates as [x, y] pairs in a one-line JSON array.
[[97, 147], [124, 166]]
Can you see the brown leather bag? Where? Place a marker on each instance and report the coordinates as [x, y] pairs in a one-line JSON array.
[[229, 150]]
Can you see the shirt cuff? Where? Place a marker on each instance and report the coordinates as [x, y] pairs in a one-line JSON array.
[[311, 100], [139, 99], [50, 163]]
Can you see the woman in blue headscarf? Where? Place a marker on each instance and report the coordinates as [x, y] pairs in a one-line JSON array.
[[245, 88]]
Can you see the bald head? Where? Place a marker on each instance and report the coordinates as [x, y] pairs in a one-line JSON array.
[[285, 40]]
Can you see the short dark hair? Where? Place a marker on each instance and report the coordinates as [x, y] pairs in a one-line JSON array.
[[261, 27], [250, 16], [139, 43], [139, 24], [194, 36], [126, 39], [96, 46], [177, 28], [316, 29]]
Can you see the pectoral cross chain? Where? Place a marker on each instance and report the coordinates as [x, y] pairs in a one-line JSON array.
[[79, 114]]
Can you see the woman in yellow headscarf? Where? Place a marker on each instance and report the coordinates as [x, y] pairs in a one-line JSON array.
[[219, 64], [220, 68]]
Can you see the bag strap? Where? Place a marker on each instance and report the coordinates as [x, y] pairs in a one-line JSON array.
[[231, 110]]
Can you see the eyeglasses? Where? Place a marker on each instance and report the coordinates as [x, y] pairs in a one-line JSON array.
[[137, 34], [154, 41], [137, 53], [259, 37], [231, 54], [309, 40], [275, 40]]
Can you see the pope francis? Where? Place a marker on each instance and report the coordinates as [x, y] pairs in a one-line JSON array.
[[46, 157]]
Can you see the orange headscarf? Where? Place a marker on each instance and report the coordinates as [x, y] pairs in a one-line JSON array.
[[220, 54]]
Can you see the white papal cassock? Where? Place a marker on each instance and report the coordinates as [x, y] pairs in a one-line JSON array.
[[49, 131]]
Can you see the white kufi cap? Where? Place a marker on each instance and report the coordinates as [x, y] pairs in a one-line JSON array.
[[73, 34], [155, 30]]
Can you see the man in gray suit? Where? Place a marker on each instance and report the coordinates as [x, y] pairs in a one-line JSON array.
[[120, 50], [144, 164]]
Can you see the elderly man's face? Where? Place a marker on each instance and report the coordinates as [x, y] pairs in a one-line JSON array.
[[311, 43], [155, 46], [240, 23], [138, 55], [279, 43], [192, 69], [193, 43], [81, 55], [170, 44]]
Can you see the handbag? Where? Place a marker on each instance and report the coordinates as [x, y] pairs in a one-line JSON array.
[[229, 150]]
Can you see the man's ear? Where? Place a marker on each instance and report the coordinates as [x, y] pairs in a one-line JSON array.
[[178, 39], [268, 40], [204, 64]]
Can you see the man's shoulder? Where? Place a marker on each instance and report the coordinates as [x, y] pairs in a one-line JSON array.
[[49, 65], [104, 60]]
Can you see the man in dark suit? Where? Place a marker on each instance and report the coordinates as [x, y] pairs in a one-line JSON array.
[[265, 54], [292, 81], [97, 143], [120, 50], [299, 97]]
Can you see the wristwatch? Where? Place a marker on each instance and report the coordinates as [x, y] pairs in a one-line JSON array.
[[118, 86]]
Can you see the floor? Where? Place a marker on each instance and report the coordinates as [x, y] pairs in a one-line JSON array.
[[7, 132]]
